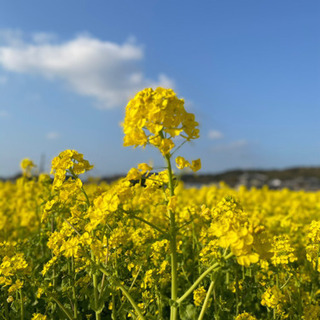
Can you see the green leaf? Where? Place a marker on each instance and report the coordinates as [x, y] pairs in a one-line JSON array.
[[188, 312], [100, 305]]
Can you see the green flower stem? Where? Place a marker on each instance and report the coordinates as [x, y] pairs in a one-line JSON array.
[[22, 305], [54, 278], [96, 295], [95, 290], [113, 315], [127, 294], [103, 275], [237, 293], [215, 306], [148, 223], [315, 276], [94, 276], [131, 286], [86, 196], [71, 226], [74, 296], [102, 285], [214, 268], [170, 174], [173, 247], [82, 188], [6, 308], [133, 303], [67, 313], [205, 304]]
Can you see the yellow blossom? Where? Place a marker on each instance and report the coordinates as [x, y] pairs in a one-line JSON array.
[[199, 296], [195, 165], [182, 163], [156, 117], [38, 316]]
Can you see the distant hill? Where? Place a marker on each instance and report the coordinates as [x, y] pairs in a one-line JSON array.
[[307, 178]]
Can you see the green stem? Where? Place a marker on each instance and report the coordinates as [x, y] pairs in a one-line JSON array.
[[113, 315], [82, 188], [133, 303], [67, 313], [127, 294], [205, 304], [215, 305], [170, 174], [148, 223], [96, 295], [132, 284], [22, 305], [74, 296], [6, 307], [173, 247], [237, 293], [54, 280], [214, 267], [86, 196], [104, 276], [95, 287], [72, 227]]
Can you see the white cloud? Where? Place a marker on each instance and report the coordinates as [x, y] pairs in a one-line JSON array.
[[109, 72], [234, 146], [52, 135], [12, 37], [215, 135]]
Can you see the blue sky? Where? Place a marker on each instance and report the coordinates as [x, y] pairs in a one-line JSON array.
[[248, 69]]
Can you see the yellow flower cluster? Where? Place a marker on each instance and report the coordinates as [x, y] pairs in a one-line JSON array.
[[199, 296], [38, 316], [272, 298], [282, 251], [245, 316], [11, 268], [231, 226], [183, 163], [313, 246], [156, 117], [10, 265], [69, 160], [26, 166]]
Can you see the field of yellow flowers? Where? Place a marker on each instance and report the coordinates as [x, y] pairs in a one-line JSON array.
[[148, 248]]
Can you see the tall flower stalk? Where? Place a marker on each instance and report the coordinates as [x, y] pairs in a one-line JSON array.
[[173, 245], [157, 117]]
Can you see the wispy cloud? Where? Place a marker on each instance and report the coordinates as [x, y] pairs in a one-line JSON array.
[[215, 135], [234, 146], [12, 37], [107, 71], [52, 135]]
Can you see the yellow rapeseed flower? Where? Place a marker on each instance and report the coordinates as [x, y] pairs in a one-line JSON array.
[[156, 117]]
